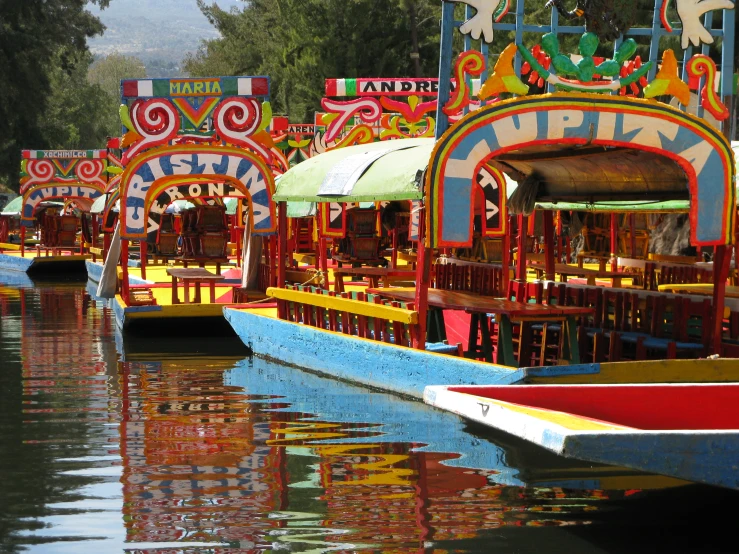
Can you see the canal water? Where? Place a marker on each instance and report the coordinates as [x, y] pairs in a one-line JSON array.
[[185, 445]]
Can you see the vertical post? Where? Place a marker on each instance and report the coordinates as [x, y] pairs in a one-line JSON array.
[[281, 253], [523, 225], [721, 265], [632, 227], [272, 261], [549, 243], [445, 68], [423, 268], [614, 241], [95, 230], [560, 238], [506, 255], [323, 259], [282, 243], [23, 240], [394, 256], [124, 270], [143, 255]]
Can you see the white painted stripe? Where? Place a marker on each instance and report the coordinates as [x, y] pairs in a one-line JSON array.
[[146, 88], [340, 87], [244, 86]]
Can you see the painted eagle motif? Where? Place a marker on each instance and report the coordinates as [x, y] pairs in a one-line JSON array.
[[605, 18]]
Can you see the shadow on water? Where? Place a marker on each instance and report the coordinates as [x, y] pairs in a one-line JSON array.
[[111, 443]]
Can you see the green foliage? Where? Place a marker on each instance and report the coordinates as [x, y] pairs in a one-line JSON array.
[[300, 43], [40, 40], [78, 114], [108, 72]]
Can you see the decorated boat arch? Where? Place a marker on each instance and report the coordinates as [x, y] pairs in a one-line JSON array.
[[196, 140], [60, 175]]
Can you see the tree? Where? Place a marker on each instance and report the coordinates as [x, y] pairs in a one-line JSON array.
[[300, 43], [108, 72], [78, 114], [37, 37]]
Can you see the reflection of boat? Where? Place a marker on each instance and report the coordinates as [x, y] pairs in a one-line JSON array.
[[137, 347], [514, 462], [689, 431]]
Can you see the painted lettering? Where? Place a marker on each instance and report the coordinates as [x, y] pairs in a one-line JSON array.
[[651, 129], [516, 129], [559, 120], [697, 155]]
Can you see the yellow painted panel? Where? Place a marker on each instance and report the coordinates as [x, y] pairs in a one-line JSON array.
[[653, 371], [346, 305], [9, 246]]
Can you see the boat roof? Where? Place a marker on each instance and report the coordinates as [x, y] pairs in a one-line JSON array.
[[371, 172]]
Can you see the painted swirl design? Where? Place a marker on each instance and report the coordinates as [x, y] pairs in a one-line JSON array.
[[369, 110], [700, 66], [472, 63], [91, 171], [39, 171], [236, 120], [156, 121]]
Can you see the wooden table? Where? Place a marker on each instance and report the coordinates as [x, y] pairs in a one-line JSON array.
[[565, 270], [196, 276], [506, 311], [705, 289], [603, 259], [374, 274], [202, 262]]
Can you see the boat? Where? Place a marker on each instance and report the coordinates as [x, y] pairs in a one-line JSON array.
[[58, 188], [684, 430], [171, 196]]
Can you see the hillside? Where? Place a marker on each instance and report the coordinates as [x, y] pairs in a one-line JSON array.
[[160, 32]]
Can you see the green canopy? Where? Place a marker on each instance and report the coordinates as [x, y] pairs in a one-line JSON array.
[[13, 207], [393, 176], [231, 205]]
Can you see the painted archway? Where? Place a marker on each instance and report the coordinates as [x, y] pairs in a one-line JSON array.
[[35, 195], [188, 169], [578, 119]]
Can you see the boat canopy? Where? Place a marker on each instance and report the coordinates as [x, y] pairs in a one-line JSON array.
[[98, 206], [13, 207], [364, 173]]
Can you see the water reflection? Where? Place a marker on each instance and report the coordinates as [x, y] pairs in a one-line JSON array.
[[172, 446]]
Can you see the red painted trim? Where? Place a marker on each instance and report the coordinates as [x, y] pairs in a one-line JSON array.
[[648, 407]]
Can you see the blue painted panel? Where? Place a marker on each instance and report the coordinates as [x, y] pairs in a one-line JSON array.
[[15, 263], [396, 369]]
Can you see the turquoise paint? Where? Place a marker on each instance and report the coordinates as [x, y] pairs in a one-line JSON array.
[[391, 368], [15, 263]]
